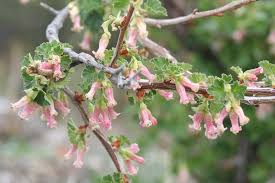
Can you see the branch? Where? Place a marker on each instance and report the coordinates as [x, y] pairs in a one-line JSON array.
[[250, 100], [196, 15], [124, 26], [96, 131], [156, 49]]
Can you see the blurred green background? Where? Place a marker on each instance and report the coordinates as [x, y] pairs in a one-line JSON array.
[[30, 152]]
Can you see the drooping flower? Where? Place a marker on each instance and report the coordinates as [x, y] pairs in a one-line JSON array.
[[142, 28], [95, 86], [146, 118], [130, 155], [78, 163], [49, 117], [197, 118], [112, 113], [242, 118], [187, 83], [132, 37], [86, 42], [182, 93], [62, 107], [75, 18], [235, 127], [219, 120], [166, 94], [110, 97], [145, 72], [103, 43], [250, 76], [45, 68], [106, 121], [211, 131], [94, 117], [26, 107]]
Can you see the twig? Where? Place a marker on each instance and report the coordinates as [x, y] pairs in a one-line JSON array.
[[124, 26], [97, 132], [51, 9], [196, 15], [156, 49]]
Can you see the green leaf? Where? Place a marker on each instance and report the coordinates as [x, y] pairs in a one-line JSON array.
[[41, 99], [154, 8], [115, 178], [27, 60], [217, 89], [238, 90], [120, 4], [215, 107], [269, 69], [197, 77], [237, 70], [72, 132]]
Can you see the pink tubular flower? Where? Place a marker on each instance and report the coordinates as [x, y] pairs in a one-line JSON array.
[[131, 155], [95, 86], [110, 97], [78, 163], [77, 27], [132, 37], [145, 72], [47, 116], [166, 94], [219, 120], [197, 118], [95, 117], [235, 128], [85, 44], [70, 152], [106, 121], [27, 107], [211, 131], [242, 118], [182, 93], [146, 118], [112, 113], [103, 43], [57, 73], [187, 83], [62, 107], [142, 28]]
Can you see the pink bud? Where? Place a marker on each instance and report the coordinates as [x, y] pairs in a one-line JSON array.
[[45, 68], [110, 97], [166, 94], [256, 71], [219, 120], [70, 152], [132, 37], [197, 119], [145, 72], [239, 111], [182, 93], [211, 132], [136, 158], [47, 116], [235, 128], [22, 102], [57, 73], [103, 43], [187, 83], [86, 42], [130, 167], [62, 107], [95, 86]]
